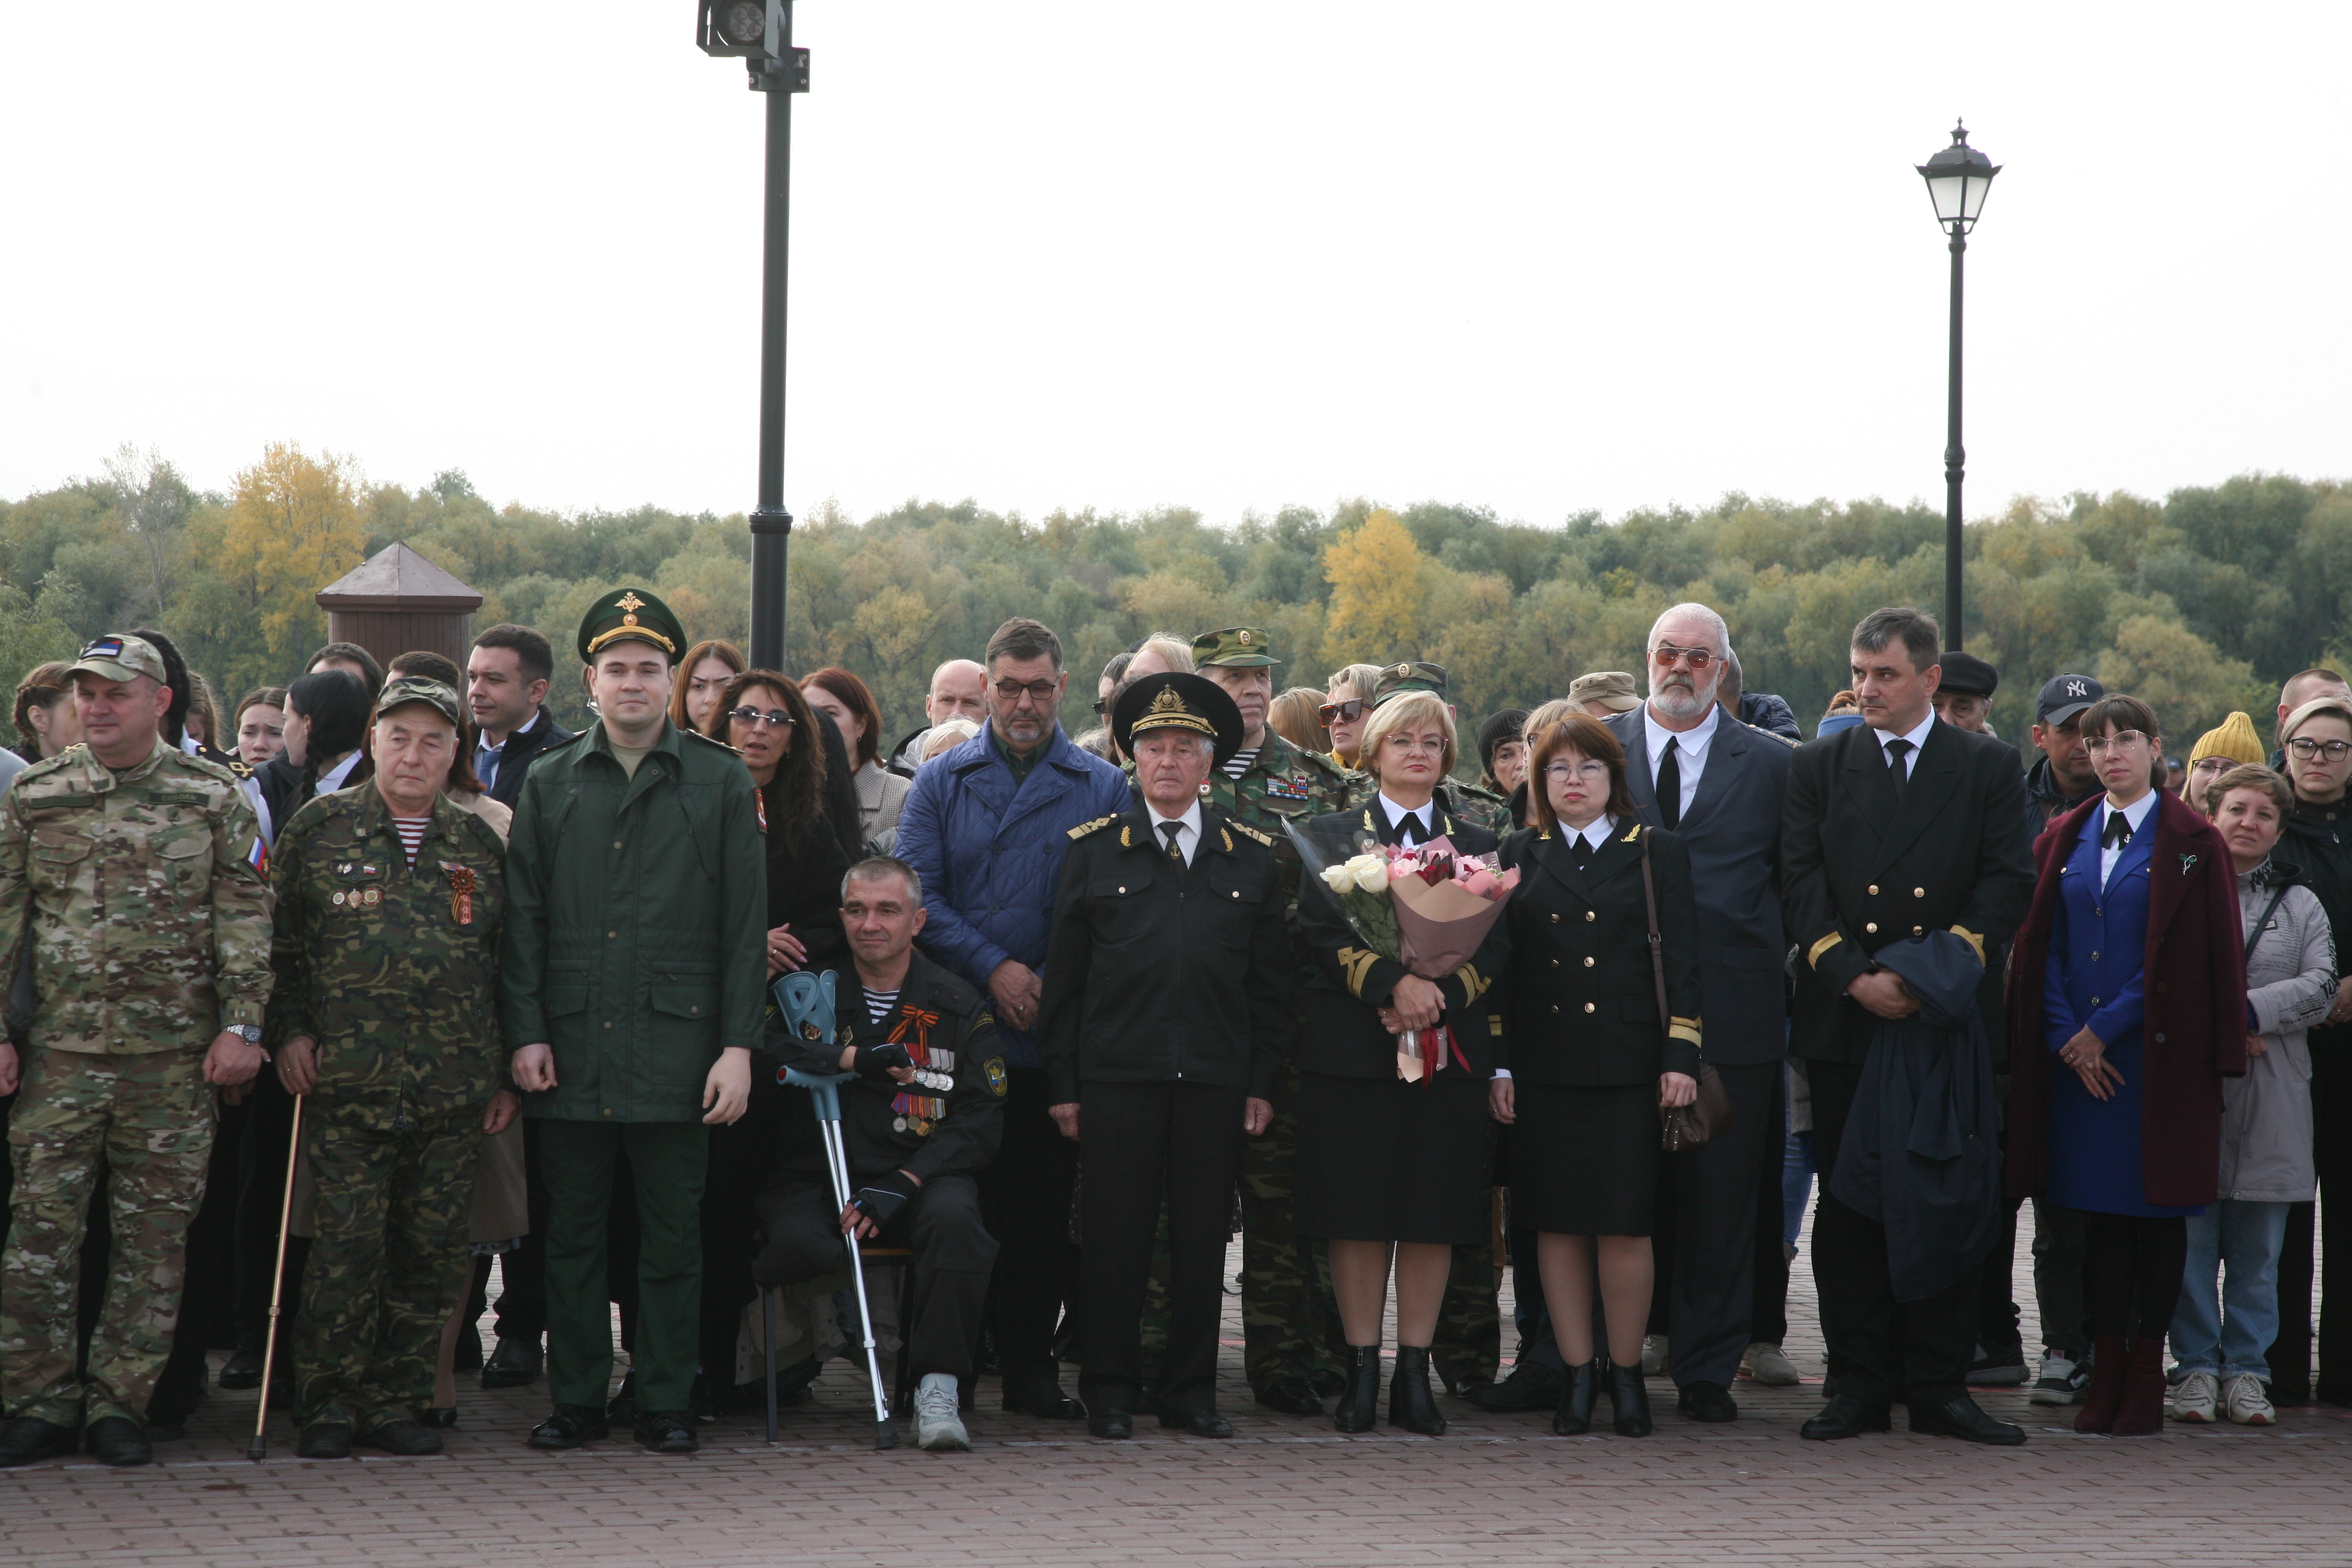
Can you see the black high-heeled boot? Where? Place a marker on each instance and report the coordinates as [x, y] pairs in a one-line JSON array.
[[1360, 1401], [1629, 1399], [1410, 1404], [1574, 1416]]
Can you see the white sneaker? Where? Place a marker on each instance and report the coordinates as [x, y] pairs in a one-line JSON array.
[[2197, 1398], [2062, 1382], [1767, 1365], [2244, 1401], [1654, 1355], [938, 1427]]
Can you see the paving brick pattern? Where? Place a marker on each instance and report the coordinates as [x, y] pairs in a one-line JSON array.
[[1496, 1491]]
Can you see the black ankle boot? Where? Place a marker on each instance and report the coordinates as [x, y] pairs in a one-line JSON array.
[[1360, 1402], [1410, 1404], [1631, 1400], [1574, 1416]]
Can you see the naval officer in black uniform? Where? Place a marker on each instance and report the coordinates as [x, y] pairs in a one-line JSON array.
[[1166, 1017]]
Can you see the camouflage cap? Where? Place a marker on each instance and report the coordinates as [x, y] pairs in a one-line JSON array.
[[1414, 675], [118, 658], [627, 615], [1237, 648], [1612, 688], [403, 689]]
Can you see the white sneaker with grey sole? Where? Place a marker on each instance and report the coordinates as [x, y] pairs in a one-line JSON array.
[[1767, 1365], [2197, 1399], [2062, 1382], [938, 1427], [2244, 1402]]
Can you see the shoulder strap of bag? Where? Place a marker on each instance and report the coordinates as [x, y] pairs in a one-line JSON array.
[[1657, 944], [2269, 910]]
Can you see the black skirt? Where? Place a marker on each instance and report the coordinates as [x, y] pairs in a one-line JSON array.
[[1384, 1160], [1584, 1158]]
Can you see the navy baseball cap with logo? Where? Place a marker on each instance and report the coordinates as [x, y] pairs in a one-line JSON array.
[[2064, 696]]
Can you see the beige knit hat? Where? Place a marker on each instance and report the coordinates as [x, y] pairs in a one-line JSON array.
[[2235, 740]]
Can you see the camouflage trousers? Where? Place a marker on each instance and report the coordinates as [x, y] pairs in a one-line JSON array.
[[1290, 1318], [148, 1120], [387, 1266]]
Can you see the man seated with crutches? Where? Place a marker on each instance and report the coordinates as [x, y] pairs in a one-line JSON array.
[[922, 1117]]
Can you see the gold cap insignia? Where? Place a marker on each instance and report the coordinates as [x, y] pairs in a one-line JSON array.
[[630, 602], [1167, 702], [1243, 638]]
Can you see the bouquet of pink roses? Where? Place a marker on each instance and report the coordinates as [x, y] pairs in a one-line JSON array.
[[1428, 907]]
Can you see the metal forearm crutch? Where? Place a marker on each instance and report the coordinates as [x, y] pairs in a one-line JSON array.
[[259, 1448], [807, 1003]]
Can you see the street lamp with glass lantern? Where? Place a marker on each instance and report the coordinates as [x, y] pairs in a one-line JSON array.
[[1958, 178]]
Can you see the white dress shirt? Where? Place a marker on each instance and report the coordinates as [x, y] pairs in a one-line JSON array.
[[1690, 748], [332, 779], [1918, 737], [486, 757], [2135, 814], [1396, 813], [1188, 836]]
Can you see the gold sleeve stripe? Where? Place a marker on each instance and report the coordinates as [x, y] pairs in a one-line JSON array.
[[1356, 964], [1972, 939], [1685, 1029], [1494, 1024], [1473, 985], [1814, 953]]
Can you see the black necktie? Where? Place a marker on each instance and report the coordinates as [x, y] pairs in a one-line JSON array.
[[1896, 749], [1670, 786], [1410, 829], [1175, 850], [2119, 833], [1579, 850]]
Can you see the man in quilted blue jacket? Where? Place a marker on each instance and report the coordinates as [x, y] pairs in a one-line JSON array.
[[985, 827]]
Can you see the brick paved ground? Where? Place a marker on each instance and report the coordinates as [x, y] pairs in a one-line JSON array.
[[1496, 1491]]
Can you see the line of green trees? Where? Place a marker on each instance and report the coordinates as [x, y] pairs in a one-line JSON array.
[[2200, 603]]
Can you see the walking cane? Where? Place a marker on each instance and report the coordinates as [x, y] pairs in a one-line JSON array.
[[259, 1448]]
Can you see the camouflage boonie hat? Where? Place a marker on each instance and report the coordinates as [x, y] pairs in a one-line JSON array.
[[1239, 648], [118, 658], [1414, 675], [627, 615], [1614, 688], [403, 690]]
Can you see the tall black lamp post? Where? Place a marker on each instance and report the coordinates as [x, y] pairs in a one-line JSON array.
[[1958, 178], [760, 34]]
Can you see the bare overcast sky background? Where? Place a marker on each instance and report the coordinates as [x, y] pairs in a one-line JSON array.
[[1542, 257]]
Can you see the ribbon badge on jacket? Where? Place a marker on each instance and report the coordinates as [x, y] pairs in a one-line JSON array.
[[918, 1113]]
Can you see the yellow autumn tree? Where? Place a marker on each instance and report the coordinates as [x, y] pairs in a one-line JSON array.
[[1378, 588], [293, 527]]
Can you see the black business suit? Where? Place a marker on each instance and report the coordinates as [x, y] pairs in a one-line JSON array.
[[1166, 1003], [1380, 1159], [1722, 1278], [1583, 1039], [1864, 863]]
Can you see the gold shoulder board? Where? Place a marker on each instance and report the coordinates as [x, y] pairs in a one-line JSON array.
[[1083, 829], [1246, 831]]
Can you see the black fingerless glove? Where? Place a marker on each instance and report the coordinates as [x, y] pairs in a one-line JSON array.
[[874, 1062], [877, 1200]]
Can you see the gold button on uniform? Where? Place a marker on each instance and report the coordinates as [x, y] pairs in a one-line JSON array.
[[1918, 892], [1555, 1007], [1587, 1006], [1871, 890], [1589, 915], [1870, 926], [1555, 962], [1919, 930], [1588, 963], [1555, 920]]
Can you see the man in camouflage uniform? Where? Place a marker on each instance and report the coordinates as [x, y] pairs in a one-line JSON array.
[[1468, 1349], [1293, 1348], [132, 870], [385, 1019]]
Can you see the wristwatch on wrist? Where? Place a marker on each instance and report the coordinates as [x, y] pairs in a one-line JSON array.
[[249, 1033]]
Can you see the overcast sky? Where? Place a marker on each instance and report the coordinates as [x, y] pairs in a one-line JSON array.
[[1542, 257]]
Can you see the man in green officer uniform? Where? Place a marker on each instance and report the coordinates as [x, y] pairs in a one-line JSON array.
[[1293, 1349], [632, 986], [131, 868]]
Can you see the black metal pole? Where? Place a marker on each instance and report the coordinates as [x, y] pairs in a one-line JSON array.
[[1954, 461], [772, 525]]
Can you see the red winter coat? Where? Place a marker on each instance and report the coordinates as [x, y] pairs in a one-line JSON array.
[[2194, 1033]]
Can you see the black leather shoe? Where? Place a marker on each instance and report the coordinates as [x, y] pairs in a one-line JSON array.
[[1111, 1424], [117, 1440], [243, 1368], [165, 1431], [1411, 1406], [1201, 1423], [623, 1404], [668, 1432], [570, 1426], [1847, 1415], [1706, 1401], [28, 1438], [1360, 1402], [402, 1435], [1531, 1386], [1965, 1419], [324, 1440], [1291, 1395], [440, 1417], [1573, 1418], [1629, 1398], [514, 1364], [1044, 1399]]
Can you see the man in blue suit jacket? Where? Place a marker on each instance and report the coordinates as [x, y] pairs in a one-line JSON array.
[[985, 828], [1720, 783]]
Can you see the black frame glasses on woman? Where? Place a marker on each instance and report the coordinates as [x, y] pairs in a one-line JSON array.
[[2306, 748], [774, 718]]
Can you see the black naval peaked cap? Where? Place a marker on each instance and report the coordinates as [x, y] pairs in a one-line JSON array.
[[1174, 700]]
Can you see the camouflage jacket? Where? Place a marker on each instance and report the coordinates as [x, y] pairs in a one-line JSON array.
[[142, 897], [392, 969]]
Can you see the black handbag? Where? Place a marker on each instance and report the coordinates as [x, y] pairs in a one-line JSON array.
[[1681, 1126]]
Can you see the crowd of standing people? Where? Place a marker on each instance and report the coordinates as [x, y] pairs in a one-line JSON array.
[[380, 1001]]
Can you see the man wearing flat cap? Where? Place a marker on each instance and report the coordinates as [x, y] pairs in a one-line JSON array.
[[1165, 1020], [1964, 698], [632, 985], [132, 871]]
